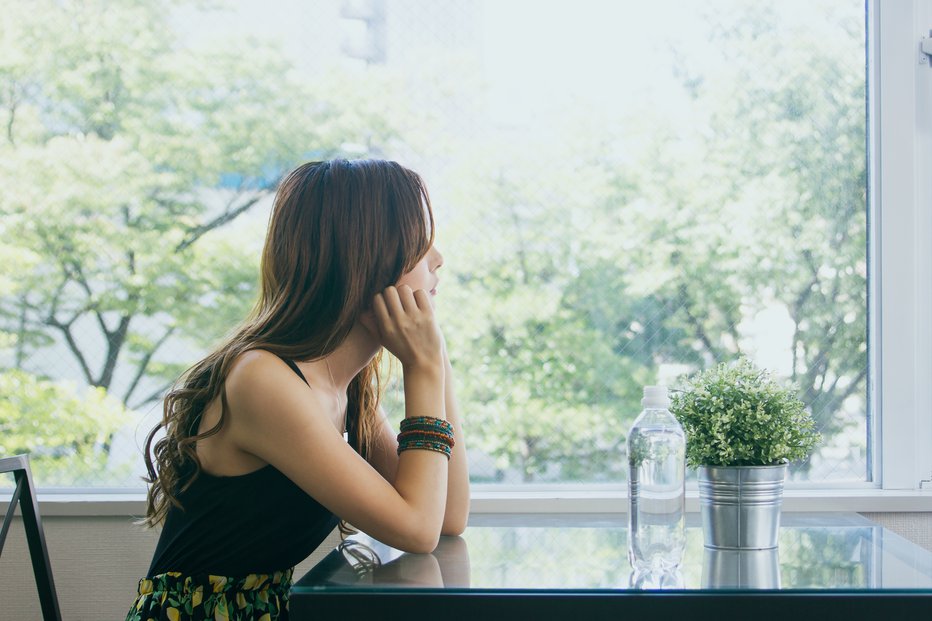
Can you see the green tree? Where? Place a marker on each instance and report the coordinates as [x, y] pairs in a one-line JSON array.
[[595, 269], [784, 142], [129, 155], [547, 394], [128, 152], [65, 429]]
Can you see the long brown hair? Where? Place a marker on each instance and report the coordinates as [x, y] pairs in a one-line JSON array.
[[340, 232]]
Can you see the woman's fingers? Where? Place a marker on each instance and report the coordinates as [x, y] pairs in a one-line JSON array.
[[422, 299], [408, 301], [406, 324], [393, 301], [404, 301]]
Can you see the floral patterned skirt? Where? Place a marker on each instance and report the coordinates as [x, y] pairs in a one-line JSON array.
[[174, 596]]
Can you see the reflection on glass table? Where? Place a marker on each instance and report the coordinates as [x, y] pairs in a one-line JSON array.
[[361, 560], [576, 558]]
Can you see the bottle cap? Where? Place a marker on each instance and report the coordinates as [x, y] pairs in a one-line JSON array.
[[655, 397]]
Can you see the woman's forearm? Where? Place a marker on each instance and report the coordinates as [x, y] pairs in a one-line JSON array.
[[457, 505], [421, 478]]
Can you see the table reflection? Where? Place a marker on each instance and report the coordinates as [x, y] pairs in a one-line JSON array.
[[741, 569], [844, 552], [576, 566], [369, 562]]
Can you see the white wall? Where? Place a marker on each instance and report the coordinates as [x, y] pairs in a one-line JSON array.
[[917, 527]]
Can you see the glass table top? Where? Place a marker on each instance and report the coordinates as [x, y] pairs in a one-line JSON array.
[[843, 552]]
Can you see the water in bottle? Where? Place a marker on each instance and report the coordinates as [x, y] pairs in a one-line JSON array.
[[656, 488]]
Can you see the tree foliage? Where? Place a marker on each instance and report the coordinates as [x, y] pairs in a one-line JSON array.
[[64, 429], [580, 262], [128, 151], [596, 270]]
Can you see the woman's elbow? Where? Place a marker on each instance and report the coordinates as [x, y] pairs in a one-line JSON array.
[[421, 539], [454, 526], [422, 543], [453, 531]]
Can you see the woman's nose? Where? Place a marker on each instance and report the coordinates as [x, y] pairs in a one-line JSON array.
[[438, 258]]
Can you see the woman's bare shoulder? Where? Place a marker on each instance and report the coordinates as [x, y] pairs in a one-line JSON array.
[[259, 378], [254, 361], [259, 365]]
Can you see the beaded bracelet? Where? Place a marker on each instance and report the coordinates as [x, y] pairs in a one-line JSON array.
[[425, 443], [432, 436], [426, 423], [438, 447], [427, 433]]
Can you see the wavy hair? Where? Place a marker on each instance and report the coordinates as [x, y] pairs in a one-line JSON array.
[[340, 231]]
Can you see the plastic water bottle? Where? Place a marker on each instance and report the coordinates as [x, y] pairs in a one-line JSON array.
[[656, 489]]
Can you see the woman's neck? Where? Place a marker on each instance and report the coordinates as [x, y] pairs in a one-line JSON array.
[[346, 361]]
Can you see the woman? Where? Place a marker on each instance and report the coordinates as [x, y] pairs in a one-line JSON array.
[[255, 469]]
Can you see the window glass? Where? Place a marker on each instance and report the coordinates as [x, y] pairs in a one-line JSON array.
[[625, 192]]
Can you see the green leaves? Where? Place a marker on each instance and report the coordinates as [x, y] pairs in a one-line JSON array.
[[583, 261], [132, 152], [64, 429], [736, 415]]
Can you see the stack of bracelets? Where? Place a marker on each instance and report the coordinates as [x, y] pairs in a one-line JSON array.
[[428, 433]]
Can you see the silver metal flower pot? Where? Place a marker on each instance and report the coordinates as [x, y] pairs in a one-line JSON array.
[[740, 506]]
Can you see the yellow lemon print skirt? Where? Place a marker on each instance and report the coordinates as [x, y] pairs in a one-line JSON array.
[[175, 597]]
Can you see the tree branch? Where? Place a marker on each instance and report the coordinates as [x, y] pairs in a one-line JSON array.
[[73, 346], [853, 385], [9, 125], [228, 215], [115, 342], [696, 324], [78, 275], [13, 105], [820, 363], [797, 312], [831, 389], [56, 297], [20, 354], [154, 396], [144, 364]]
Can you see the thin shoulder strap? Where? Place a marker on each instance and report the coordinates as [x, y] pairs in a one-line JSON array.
[[294, 367]]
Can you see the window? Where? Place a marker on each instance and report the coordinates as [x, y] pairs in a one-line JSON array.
[[625, 192]]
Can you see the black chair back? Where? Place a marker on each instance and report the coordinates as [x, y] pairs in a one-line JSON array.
[[25, 495]]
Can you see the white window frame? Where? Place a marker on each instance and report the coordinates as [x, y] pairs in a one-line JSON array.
[[901, 197], [899, 317]]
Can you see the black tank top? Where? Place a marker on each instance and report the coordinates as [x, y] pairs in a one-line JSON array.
[[259, 522]]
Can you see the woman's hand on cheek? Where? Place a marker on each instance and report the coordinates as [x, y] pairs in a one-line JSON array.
[[407, 327]]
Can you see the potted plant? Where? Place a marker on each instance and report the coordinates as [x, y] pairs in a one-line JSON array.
[[742, 429]]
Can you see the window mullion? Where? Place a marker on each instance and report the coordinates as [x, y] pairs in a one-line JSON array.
[[901, 199]]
